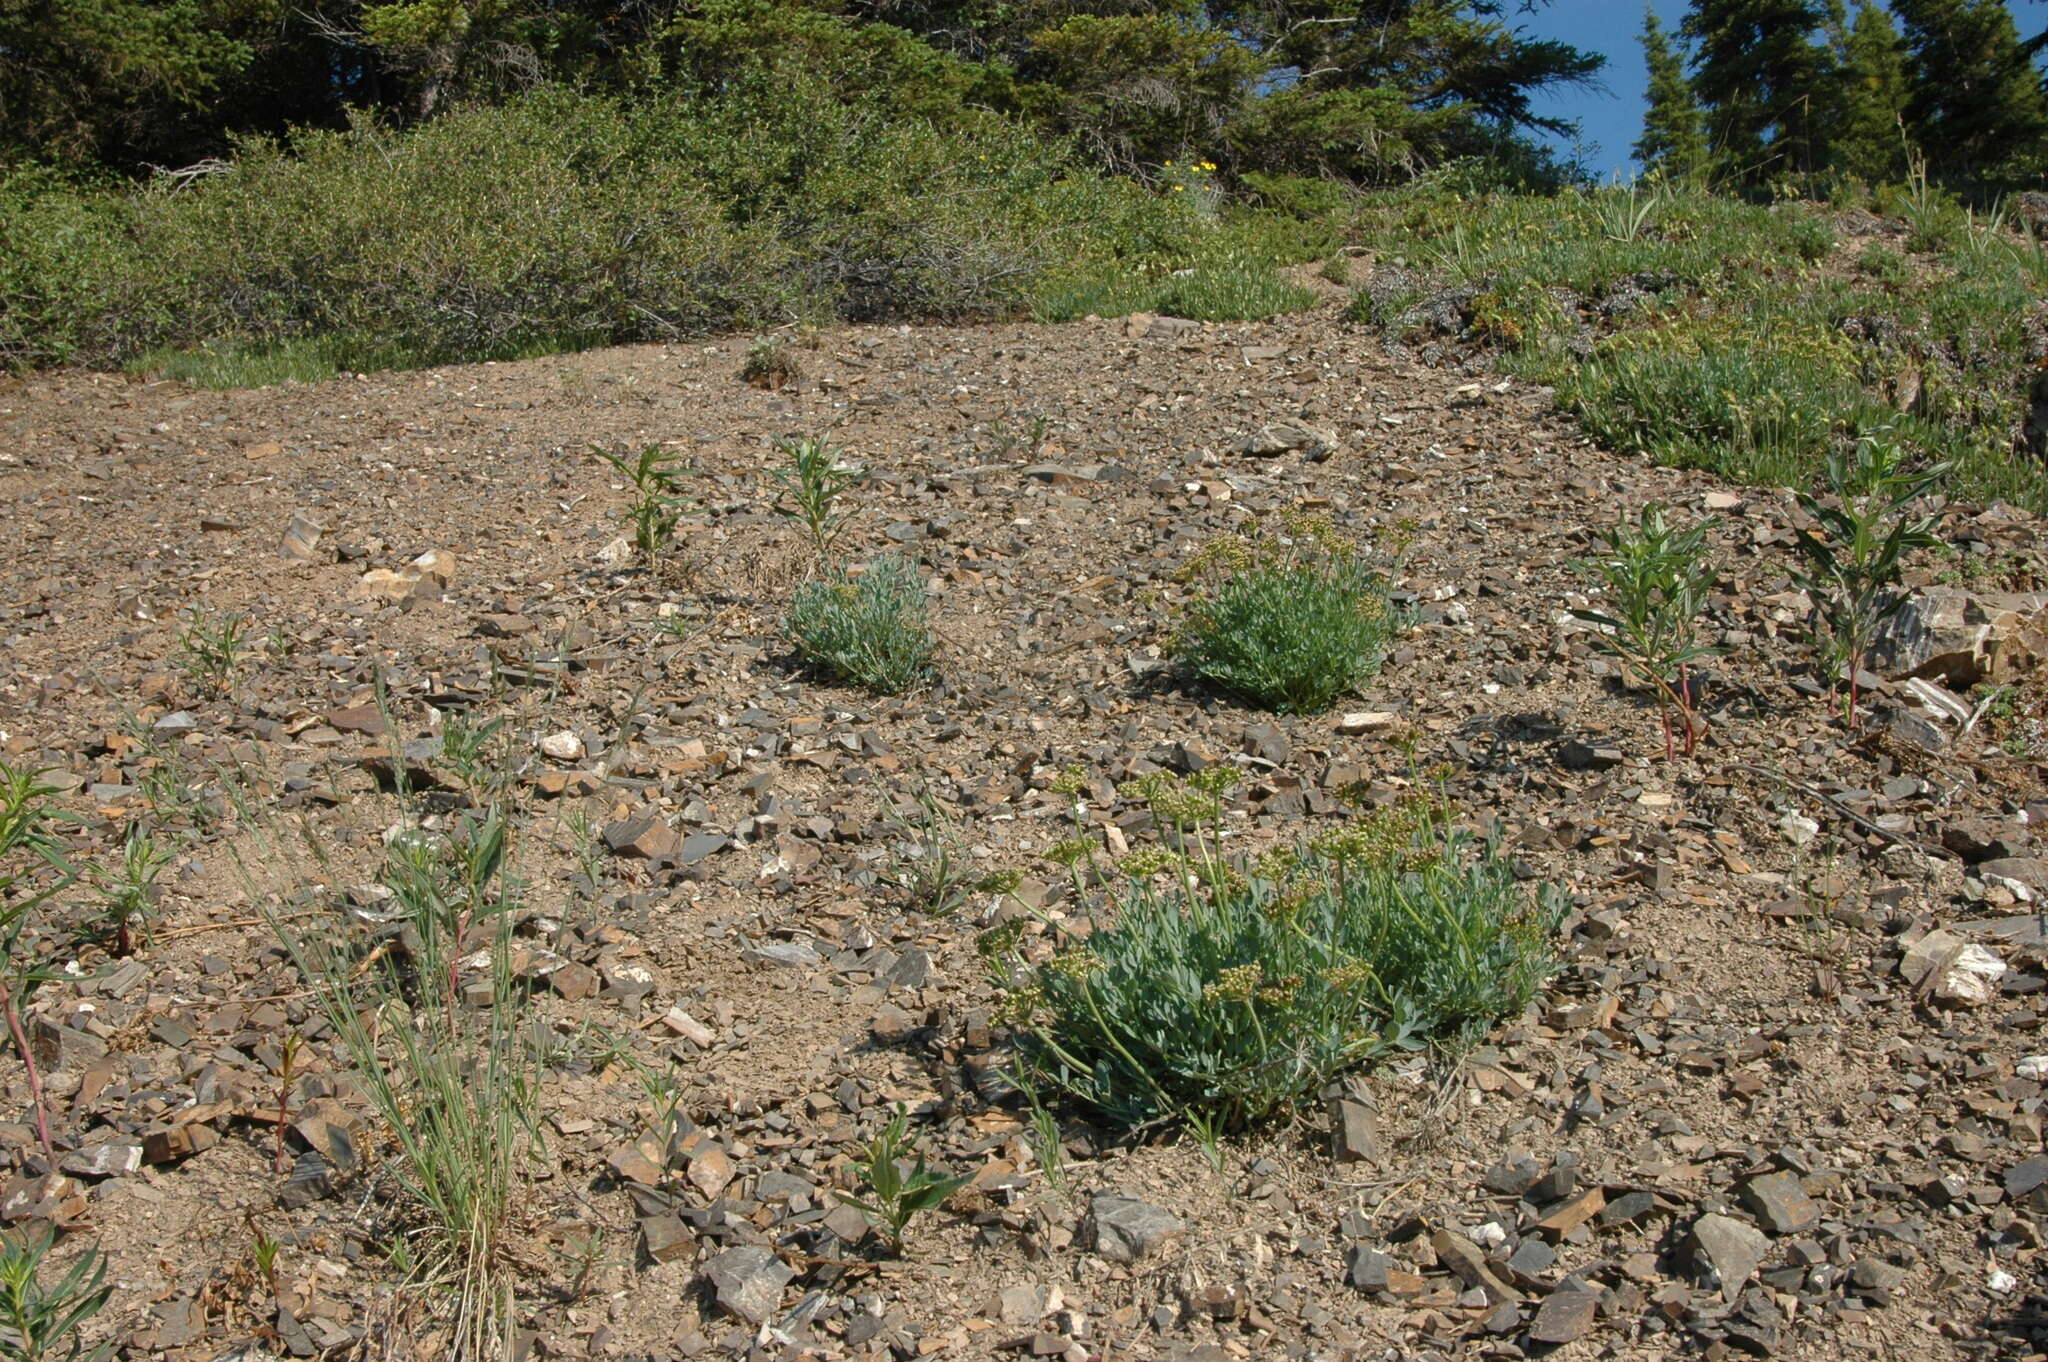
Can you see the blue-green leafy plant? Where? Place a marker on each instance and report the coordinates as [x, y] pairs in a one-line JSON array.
[[1215, 994], [1288, 621], [871, 630], [1657, 577]]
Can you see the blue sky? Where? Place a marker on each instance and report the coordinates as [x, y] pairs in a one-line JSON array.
[[1612, 115]]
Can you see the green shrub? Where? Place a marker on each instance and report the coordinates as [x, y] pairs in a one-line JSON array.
[[558, 220], [1295, 621], [1219, 996], [539, 224], [63, 254], [870, 630]]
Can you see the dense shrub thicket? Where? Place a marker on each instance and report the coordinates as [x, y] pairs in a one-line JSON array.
[[557, 220]]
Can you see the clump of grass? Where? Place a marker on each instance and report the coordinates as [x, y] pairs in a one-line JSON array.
[[1234, 288], [1627, 214], [1854, 553], [210, 650], [872, 630], [451, 1066], [1336, 270], [656, 509], [813, 476], [1884, 264], [1657, 577], [39, 1322], [770, 364], [1218, 995], [897, 1195], [931, 868], [229, 363], [1697, 330], [1292, 620]]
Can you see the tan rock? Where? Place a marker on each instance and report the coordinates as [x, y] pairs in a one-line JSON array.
[[1962, 638]]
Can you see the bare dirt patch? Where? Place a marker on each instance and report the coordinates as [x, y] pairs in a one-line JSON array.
[[1730, 1027]]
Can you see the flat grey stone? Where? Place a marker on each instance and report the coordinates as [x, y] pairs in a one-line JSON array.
[[1728, 1251], [1127, 1229], [748, 1282]]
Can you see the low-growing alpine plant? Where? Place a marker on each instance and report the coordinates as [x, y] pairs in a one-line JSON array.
[[1287, 620], [1217, 994], [870, 630]]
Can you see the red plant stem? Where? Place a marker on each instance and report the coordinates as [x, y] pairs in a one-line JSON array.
[[1692, 733], [35, 1077], [284, 1097]]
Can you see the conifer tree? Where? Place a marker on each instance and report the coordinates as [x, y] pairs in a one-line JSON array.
[[1767, 85], [1672, 141], [1868, 140], [1977, 108]]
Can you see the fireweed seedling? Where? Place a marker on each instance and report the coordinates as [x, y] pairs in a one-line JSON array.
[[1853, 558], [1657, 577], [39, 1323], [32, 872], [894, 1196], [656, 508], [812, 479], [129, 892]]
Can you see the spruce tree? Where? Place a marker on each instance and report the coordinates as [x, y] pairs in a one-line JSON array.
[[1868, 141], [1672, 141], [1767, 85], [1977, 107]]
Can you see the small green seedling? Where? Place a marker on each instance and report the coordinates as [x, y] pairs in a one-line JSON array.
[[931, 868], [130, 891], [210, 650], [31, 858], [811, 483], [656, 508], [895, 1197], [770, 364], [1854, 556], [40, 1323], [1657, 577], [264, 1251]]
